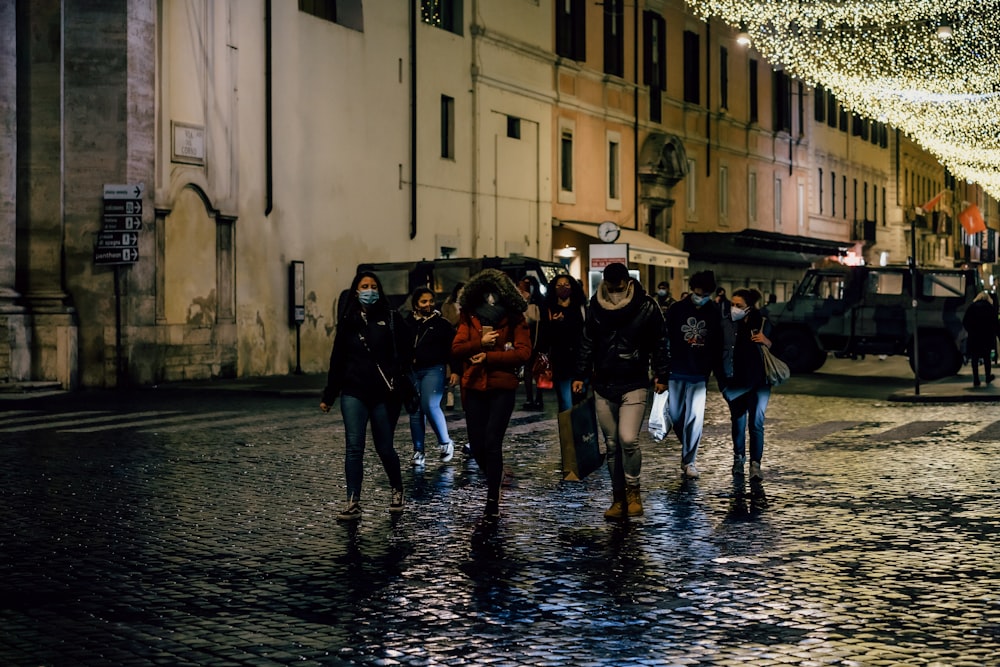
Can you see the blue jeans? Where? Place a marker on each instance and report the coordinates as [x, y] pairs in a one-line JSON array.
[[620, 419], [752, 403], [686, 405], [383, 418], [487, 414], [564, 393], [431, 383]]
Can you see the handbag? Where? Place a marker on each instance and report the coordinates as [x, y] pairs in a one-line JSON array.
[[579, 443], [659, 417], [776, 371], [542, 371]]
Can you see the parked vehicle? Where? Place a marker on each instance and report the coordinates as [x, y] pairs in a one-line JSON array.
[[399, 279], [853, 311]]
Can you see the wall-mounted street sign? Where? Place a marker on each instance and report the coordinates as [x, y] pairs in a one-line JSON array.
[[117, 243]]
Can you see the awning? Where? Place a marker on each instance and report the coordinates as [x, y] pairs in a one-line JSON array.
[[642, 248], [755, 246]]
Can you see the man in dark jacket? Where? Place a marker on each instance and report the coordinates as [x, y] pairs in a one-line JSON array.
[[622, 336], [694, 344]]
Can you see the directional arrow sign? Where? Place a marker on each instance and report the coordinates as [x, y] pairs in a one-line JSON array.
[[117, 240], [122, 223], [122, 207], [130, 191], [115, 255]]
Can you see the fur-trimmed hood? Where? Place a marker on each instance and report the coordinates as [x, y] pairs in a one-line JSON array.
[[491, 281]]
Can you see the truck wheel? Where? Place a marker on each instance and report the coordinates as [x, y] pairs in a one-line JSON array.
[[939, 358], [798, 349]]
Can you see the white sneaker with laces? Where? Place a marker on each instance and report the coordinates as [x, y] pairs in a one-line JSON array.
[[418, 459], [447, 452]]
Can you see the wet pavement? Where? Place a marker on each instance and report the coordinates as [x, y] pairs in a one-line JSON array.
[[187, 526]]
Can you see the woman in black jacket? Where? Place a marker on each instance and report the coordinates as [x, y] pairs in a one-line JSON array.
[[980, 321], [370, 357], [563, 315], [742, 378], [431, 335]]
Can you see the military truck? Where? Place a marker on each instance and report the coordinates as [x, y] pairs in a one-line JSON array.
[[859, 310]]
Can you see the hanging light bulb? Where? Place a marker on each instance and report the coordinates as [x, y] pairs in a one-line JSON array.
[[743, 38], [944, 32]]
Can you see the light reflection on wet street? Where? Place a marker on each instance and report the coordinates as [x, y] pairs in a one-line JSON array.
[[872, 541]]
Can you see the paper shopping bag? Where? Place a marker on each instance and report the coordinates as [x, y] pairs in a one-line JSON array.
[[579, 441]]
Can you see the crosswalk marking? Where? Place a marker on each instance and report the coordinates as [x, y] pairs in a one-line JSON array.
[[31, 416], [247, 420], [908, 431], [54, 423], [143, 424], [819, 431]]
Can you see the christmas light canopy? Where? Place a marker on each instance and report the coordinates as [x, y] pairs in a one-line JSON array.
[[928, 67]]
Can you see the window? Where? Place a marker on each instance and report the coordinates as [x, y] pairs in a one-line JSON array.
[[614, 40], [843, 195], [724, 78], [347, 13], [448, 127], [566, 161], [800, 206], [866, 201], [819, 104], [880, 282], [754, 116], [723, 192], [831, 109], [654, 50], [513, 127], [883, 208], [691, 193], [821, 191], [833, 193], [614, 172], [855, 199], [874, 202], [843, 119], [944, 284], [782, 102], [752, 196], [571, 29], [444, 14], [777, 203], [692, 67]]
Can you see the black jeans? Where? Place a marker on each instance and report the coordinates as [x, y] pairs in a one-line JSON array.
[[487, 414]]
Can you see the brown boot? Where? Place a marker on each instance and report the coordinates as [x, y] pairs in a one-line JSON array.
[[617, 509], [634, 500]]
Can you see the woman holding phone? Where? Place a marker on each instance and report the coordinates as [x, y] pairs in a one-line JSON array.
[[491, 343], [741, 377]]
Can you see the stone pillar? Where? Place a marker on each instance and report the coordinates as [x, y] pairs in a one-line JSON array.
[[15, 357]]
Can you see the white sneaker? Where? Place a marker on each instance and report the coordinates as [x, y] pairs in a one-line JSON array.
[[417, 460], [447, 452], [690, 471]]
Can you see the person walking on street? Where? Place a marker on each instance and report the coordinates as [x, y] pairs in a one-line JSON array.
[[432, 336], [663, 297], [622, 337], [450, 312], [563, 316], [742, 379], [694, 342], [980, 321], [491, 343], [370, 357], [528, 287]]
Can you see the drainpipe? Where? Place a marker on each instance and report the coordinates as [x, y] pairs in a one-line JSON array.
[[708, 99], [635, 109], [413, 119], [268, 119]]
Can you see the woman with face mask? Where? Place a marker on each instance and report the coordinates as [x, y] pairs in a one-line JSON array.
[[742, 379], [371, 354], [563, 315], [432, 335]]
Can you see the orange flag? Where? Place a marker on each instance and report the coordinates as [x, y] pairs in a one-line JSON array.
[[972, 219], [929, 205]]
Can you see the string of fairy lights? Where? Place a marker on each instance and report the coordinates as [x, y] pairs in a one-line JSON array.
[[928, 67]]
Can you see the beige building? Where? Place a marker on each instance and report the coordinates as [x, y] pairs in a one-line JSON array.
[[319, 134]]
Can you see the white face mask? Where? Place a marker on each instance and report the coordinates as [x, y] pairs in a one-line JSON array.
[[738, 313]]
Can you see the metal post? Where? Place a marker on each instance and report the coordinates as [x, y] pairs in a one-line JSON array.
[[298, 350], [118, 329]]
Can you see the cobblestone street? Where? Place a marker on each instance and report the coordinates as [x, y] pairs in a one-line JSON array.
[[877, 544]]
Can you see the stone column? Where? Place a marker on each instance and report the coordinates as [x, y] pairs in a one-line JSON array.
[[15, 359]]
